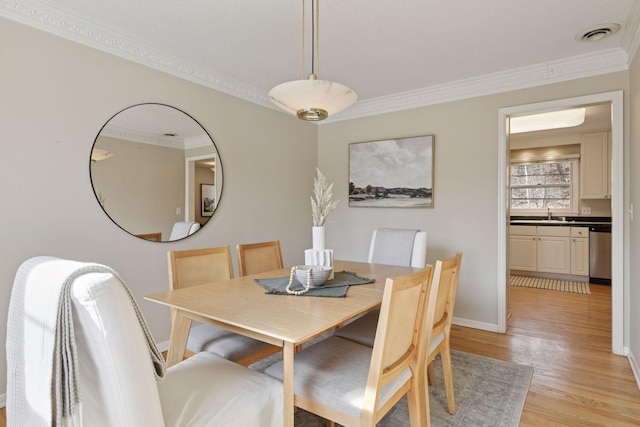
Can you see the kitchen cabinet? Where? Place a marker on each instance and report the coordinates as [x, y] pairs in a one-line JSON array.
[[549, 249], [553, 250], [522, 248], [580, 251], [595, 161]]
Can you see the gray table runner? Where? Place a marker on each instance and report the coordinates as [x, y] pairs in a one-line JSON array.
[[336, 287]]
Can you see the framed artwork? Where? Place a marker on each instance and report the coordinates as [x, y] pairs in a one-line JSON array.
[[392, 173], [207, 199]]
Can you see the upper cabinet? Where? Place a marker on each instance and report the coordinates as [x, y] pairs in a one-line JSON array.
[[595, 160]]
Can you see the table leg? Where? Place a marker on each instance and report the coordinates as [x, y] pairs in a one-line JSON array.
[[288, 352], [180, 327]]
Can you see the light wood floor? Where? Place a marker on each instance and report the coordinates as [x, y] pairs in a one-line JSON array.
[[567, 339]]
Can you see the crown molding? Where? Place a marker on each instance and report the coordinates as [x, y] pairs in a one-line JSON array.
[[71, 26], [576, 67], [68, 25], [142, 137], [632, 38]]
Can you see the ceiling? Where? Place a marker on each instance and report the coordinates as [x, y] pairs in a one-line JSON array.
[[395, 55]]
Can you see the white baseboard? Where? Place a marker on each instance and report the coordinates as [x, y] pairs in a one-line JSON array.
[[634, 367], [491, 327]]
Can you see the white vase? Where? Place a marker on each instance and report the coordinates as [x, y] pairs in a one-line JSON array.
[[318, 238]]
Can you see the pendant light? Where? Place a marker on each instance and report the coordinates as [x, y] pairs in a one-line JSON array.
[[312, 99]]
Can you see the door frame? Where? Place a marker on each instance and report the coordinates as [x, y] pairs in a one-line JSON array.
[[618, 282], [189, 183]]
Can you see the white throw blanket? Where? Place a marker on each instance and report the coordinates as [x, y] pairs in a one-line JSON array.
[[42, 363], [393, 246]]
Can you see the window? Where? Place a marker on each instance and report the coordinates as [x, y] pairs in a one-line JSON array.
[[537, 187]]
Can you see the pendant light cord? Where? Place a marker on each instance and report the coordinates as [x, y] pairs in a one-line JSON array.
[[303, 9], [314, 5], [315, 29]]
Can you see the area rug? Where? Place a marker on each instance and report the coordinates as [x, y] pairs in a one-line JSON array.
[[489, 392], [555, 285]]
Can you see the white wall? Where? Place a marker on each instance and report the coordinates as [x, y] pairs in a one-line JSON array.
[[55, 97], [142, 184], [633, 156], [465, 215]]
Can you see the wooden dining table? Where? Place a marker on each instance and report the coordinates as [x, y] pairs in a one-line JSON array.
[[242, 306]]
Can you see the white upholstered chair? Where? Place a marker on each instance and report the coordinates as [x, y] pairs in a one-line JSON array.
[[398, 246], [119, 377], [195, 267], [183, 229], [355, 385]]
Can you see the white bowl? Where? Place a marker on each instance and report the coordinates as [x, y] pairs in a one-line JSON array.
[[319, 274]]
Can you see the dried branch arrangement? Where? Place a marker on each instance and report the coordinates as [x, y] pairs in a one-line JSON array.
[[322, 205]]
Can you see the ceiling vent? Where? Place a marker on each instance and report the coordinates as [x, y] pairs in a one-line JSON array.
[[598, 32]]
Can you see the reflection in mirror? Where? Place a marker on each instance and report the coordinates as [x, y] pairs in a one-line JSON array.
[[156, 172]]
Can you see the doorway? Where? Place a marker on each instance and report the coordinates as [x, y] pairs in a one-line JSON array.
[[192, 189], [617, 203]]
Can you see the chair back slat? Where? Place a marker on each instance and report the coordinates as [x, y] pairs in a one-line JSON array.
[[199, 266], [447, 292], [400, 327], [254, 258]]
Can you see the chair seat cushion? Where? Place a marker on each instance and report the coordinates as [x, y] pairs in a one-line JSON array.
[[361, 330], [334, 373], [435, 342], [207, 390], [226, 344]]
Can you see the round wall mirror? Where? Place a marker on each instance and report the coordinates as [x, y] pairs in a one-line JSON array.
[[156, 172]]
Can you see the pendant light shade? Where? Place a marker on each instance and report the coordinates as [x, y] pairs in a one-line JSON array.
[[312, 99]]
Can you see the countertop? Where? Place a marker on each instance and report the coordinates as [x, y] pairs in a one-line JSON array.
[[557, 223], [568, 222]]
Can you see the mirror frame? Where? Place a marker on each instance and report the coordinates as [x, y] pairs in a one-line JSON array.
[[188, 197]]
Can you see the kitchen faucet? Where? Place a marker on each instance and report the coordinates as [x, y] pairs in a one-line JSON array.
[[549, 213]]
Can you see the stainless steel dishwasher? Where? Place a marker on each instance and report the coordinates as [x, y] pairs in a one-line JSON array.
[[600, 254]]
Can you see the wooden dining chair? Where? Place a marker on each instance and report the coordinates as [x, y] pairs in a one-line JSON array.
[[448, 271], [200, 266], [355, 385], [154, 237], [363, 330], [254, 258]]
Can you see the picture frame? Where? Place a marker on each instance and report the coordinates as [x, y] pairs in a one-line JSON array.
[[207, 199], [392, 172]]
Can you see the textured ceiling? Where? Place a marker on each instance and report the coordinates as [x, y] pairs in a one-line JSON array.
[[395, 55]]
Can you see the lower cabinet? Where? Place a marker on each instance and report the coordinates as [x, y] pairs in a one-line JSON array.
[[554, 250], [580, 251], [548, 249], [522, 248]]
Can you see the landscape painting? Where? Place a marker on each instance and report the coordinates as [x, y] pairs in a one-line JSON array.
[[392, 173]]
